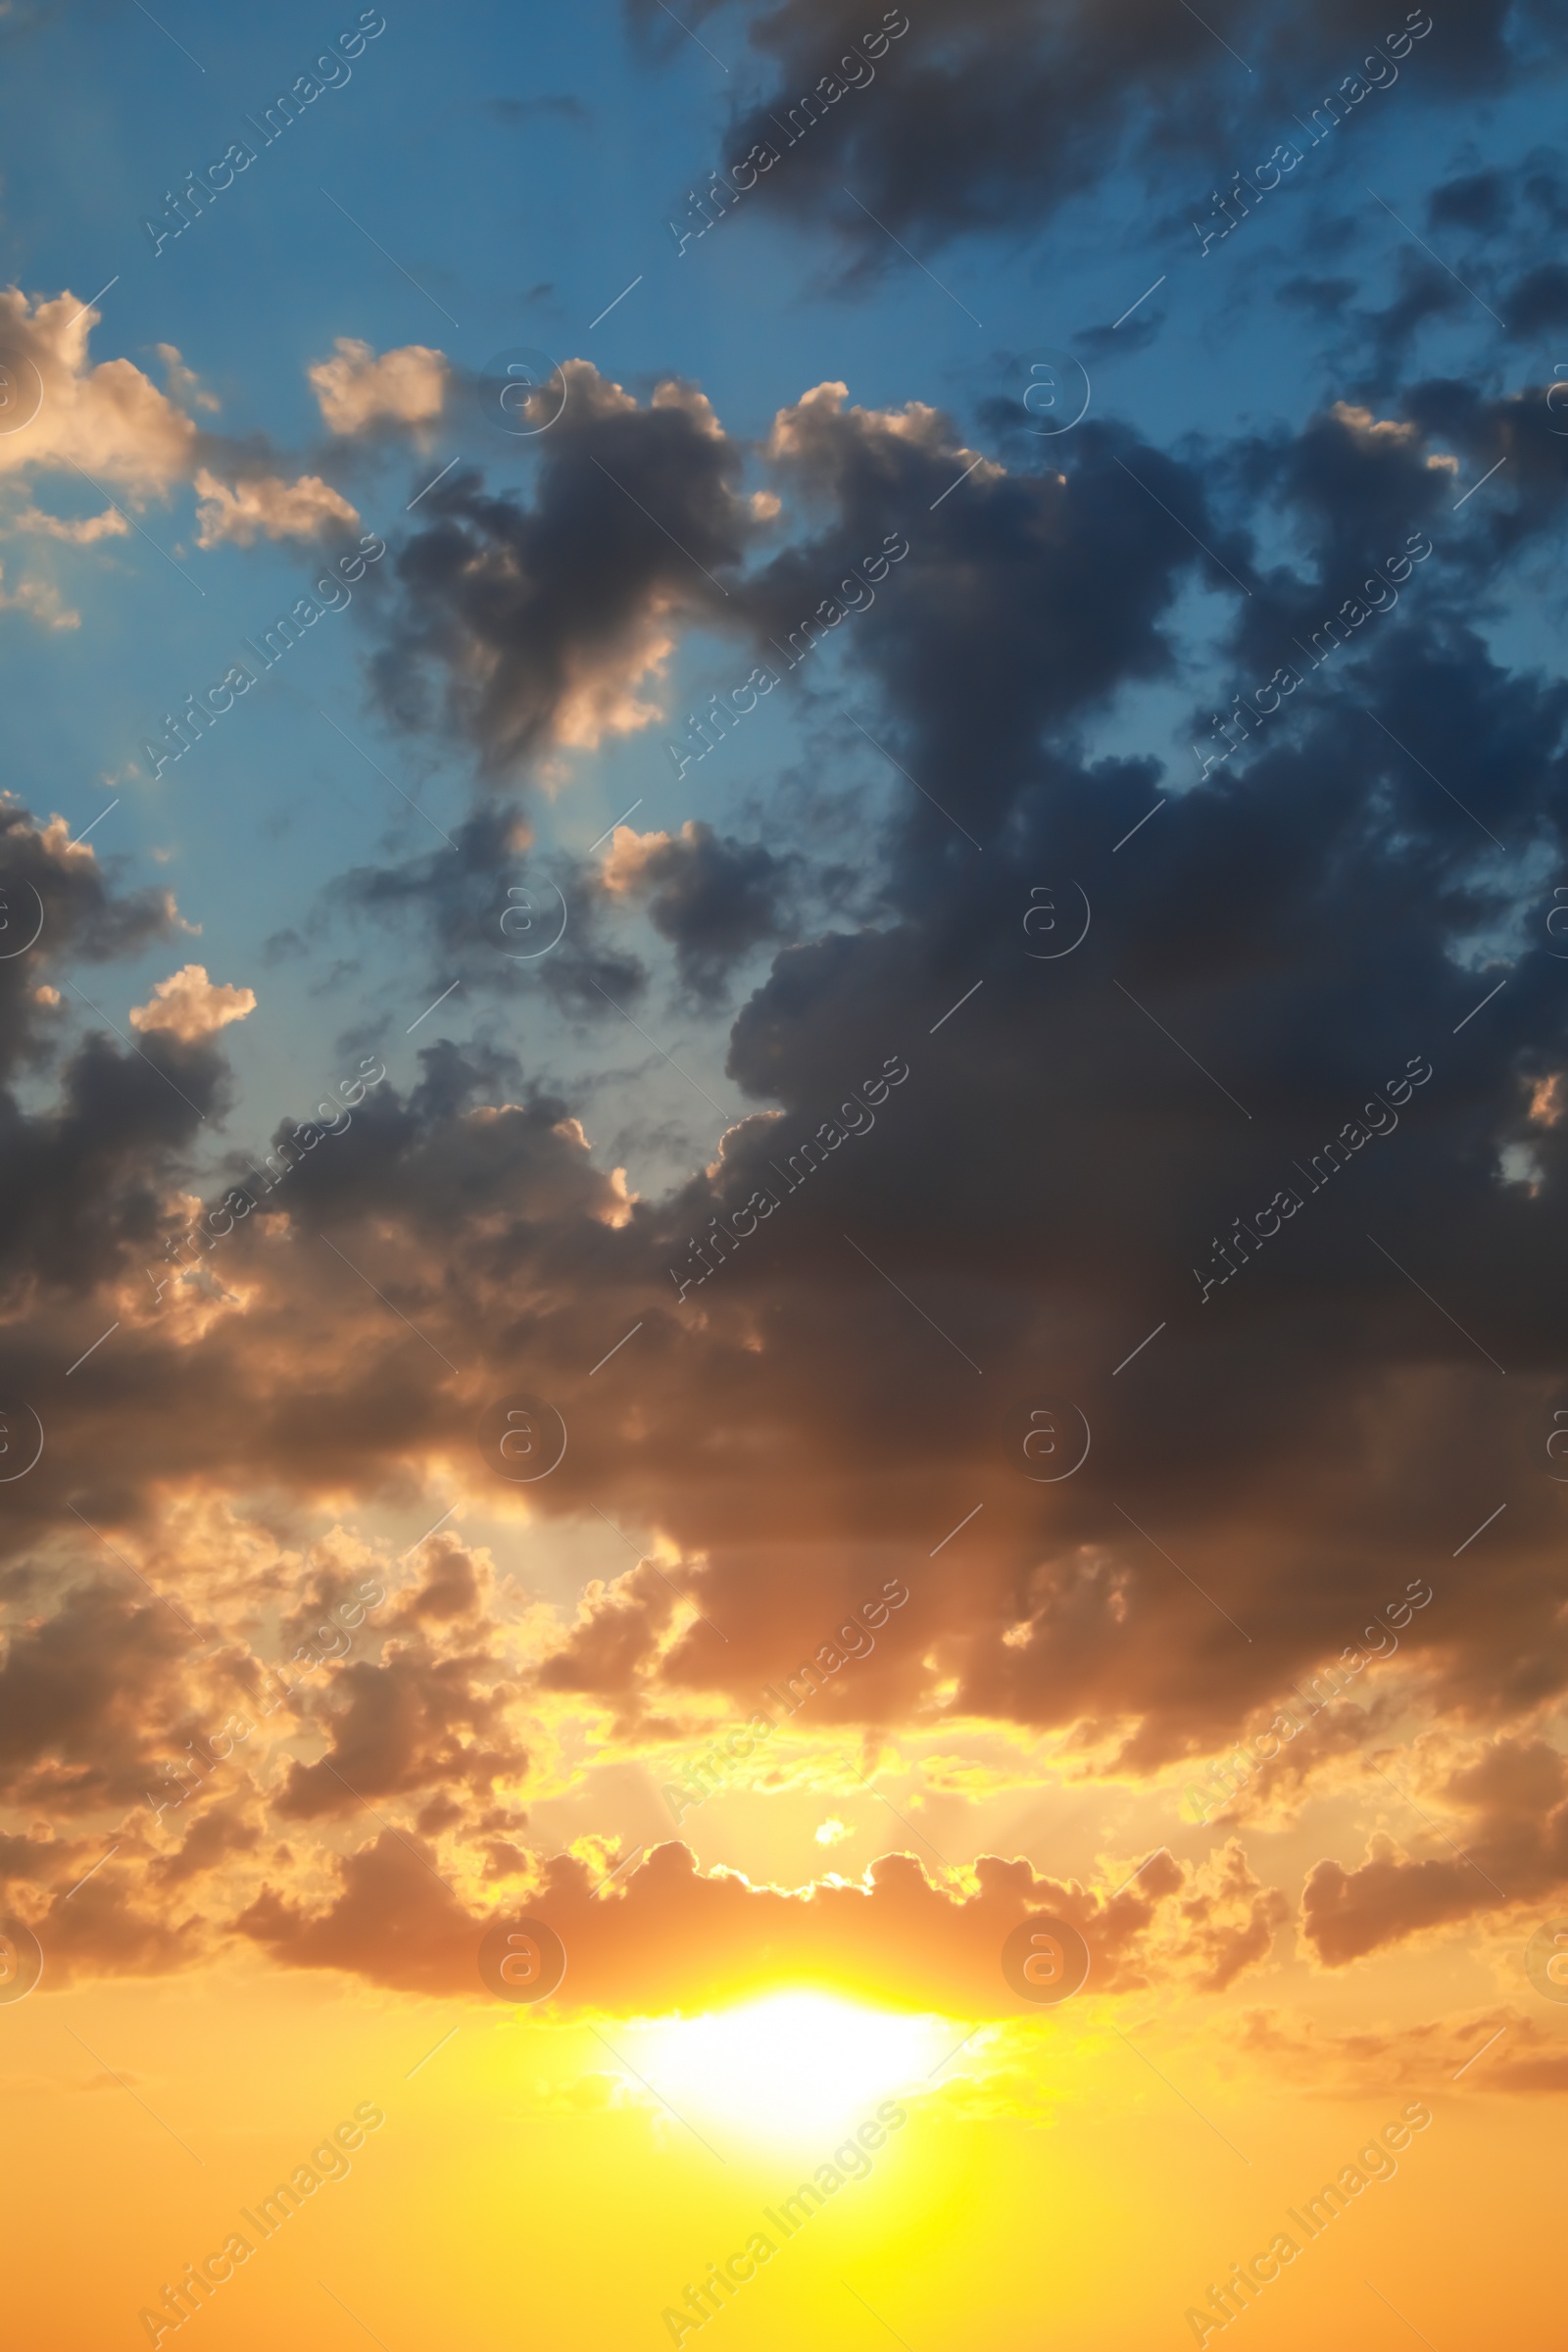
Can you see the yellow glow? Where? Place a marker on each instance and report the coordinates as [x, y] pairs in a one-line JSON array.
[[792, 2066]]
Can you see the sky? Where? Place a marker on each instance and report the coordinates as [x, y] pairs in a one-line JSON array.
[[784, 1070]]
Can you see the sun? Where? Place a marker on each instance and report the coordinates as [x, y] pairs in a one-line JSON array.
[[789, 2066]]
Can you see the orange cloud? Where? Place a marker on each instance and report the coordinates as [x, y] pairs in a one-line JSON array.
[[41, 599], [112, 420], [189, 1005], [670, 1936], [270, 507], [1511, 1802], [356, 388]]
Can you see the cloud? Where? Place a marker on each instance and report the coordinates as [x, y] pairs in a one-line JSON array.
[[85, 919], [184, 384], [715, 898], [432, 1716], [189, 1005], [670, 1936], [109, 524], [548, 627], [1512, 1803], [627, 861], [995, 1183], [40, 601], [110, 421], [357, 389], [269, 507], [956, 120], [113, 424], [543, 624], [1524, 2057]]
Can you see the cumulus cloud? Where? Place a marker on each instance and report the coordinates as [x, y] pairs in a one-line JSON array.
[[112, 420], [268, 506], [189, 1005], [357, 388]]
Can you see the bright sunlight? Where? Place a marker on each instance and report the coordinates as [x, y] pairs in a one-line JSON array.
[[793, 2065]]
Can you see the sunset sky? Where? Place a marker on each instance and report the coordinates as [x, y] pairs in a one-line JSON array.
[[784, 1000]]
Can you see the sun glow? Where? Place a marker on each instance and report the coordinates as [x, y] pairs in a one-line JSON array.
[[791, 2066]]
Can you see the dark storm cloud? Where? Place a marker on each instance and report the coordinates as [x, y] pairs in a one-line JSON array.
[[991, 115], [82, 1182], [526, 615], [1502, 211], [406, 1725], [1537, 301], [1488, 265], [1067, 579], [490, 910], [543, 622], [80, 1178], [60, 897], [715, 899], [1287, 874], [968, 1233]]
